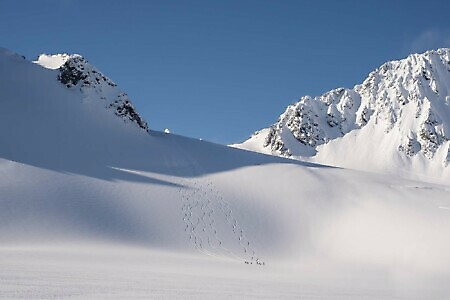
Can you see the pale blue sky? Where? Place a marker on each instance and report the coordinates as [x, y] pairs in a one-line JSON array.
[[219, 70]]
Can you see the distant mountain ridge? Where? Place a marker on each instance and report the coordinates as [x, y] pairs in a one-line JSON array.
[[405, 104]]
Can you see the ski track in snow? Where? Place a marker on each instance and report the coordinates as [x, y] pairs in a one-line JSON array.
[[203, 206]]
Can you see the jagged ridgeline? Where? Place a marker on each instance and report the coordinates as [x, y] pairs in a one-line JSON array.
[[76, 72], [408, 96]]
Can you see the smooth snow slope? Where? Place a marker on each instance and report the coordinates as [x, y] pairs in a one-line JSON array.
[[92, 207]]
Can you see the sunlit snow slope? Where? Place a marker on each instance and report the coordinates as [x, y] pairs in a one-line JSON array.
[[396, 121], [92, 206]]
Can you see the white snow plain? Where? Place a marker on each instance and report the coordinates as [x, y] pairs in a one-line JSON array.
[[93, 207]]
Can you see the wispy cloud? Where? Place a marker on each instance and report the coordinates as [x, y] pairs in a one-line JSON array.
[[430, 39]]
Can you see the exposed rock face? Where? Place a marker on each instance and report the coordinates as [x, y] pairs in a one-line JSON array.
[[125, 109], [315, 121], [409, 96], [76, 72]]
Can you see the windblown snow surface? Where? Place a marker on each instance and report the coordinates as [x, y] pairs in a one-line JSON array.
[[94, 207]]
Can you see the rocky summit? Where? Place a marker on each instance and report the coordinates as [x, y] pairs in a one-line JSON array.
[[401, 113], [75, 72]]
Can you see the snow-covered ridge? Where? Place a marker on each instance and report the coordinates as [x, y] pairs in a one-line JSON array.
[[406, 101], [76, 72]]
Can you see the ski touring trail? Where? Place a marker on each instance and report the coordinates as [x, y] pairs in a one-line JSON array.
[[204, 209]]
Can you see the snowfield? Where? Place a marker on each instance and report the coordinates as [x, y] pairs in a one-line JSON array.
[[94, 207]]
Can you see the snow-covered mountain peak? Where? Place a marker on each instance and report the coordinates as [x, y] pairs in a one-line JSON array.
[[75, 72], [53, 61], [405, 104]]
